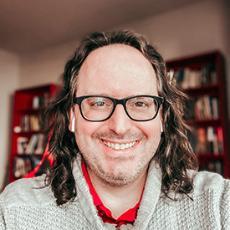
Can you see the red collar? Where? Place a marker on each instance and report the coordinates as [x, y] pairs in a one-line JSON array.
[[127, 217]]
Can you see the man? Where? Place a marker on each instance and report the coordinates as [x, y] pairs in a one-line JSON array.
[[121, 155]]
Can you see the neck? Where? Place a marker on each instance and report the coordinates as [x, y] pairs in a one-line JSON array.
[[119, 199]]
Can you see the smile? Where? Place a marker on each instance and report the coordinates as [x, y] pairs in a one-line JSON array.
[[118, 146]]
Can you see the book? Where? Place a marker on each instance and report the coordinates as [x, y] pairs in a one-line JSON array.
[[32, 145], [206, 108], [22, 143], [21, 167], [220, 139], [25, 124], [34, 123], [214, 107], [201, 146], [40, 144]]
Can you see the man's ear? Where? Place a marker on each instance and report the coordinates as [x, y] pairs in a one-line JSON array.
[[71, 121]]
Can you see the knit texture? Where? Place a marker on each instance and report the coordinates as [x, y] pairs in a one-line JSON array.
[[24, 205]]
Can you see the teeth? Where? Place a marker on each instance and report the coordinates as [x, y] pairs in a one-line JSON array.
[[119, 146]]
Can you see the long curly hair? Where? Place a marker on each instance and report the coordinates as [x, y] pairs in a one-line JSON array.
[[174, 154]]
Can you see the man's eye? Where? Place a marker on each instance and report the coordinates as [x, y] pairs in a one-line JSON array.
[[141, 104], [97, 103]]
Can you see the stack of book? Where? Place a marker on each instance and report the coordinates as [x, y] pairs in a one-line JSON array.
[[30, 123], [22, 166], [213, 166], [33, 145], [202, 108], [187, 78], [39, 102], [208, 140]]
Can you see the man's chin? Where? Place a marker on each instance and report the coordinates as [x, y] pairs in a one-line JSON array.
[[118, 179], [117, 182]]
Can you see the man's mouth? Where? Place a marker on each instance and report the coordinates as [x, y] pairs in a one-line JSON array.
[[119, 146]]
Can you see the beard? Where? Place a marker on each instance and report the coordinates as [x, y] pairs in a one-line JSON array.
[[121, 176]]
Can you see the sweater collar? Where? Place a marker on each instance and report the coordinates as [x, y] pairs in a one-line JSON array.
[[148, 204]]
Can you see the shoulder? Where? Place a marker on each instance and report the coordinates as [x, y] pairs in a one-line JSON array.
[[212, 182], [211, 190], [26, 191]]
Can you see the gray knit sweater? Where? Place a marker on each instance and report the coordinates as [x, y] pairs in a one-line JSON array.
[[23, 206]]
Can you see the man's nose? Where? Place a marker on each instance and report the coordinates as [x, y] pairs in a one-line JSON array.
[[119, 122]]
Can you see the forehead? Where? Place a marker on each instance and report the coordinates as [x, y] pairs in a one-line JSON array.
[[116, 70]]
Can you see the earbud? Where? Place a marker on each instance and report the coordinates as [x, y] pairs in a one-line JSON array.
[[161, 128], [72, 128]]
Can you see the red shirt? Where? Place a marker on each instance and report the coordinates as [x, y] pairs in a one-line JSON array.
[[127, 217]]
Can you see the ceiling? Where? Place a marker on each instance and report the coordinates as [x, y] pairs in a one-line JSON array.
[[30, 25]]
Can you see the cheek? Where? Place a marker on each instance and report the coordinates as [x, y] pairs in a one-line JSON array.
[[82, 126], [152, 142], [152, 129], [85, 129]]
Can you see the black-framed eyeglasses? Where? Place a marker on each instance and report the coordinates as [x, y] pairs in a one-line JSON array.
[[100, 108]]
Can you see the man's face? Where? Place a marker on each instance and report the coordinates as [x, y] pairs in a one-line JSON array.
[[118, 71]]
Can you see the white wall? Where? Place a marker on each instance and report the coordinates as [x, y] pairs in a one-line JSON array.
[[9, 77], [192, 29], [46, 66]]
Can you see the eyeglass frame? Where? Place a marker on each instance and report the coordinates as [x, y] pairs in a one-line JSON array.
[[122, 101]]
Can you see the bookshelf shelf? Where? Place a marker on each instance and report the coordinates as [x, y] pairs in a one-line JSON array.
[[210, 156], [209, 89], [27, 132], [27, 135], [28, 155], [213, 122], [30, 110], [202, 78]]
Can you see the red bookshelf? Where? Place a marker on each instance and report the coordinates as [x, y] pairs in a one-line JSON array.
[[27, 135], [202, 78]]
